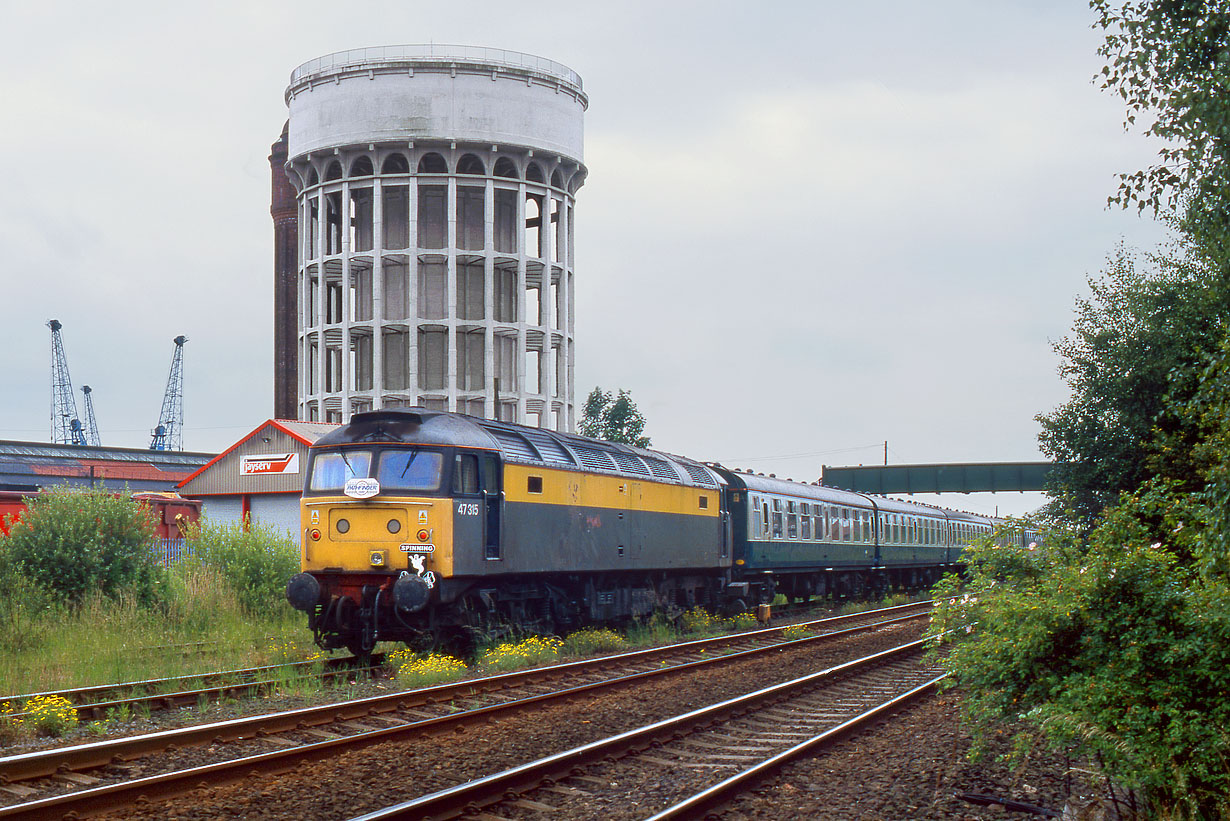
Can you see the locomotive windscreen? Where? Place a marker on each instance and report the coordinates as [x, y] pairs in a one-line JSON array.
[[410, 469], [331, 470]]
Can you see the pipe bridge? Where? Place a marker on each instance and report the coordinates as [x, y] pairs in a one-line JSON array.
[[968, 477]]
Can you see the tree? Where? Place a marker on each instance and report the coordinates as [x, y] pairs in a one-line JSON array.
[[1138, 345], [614, 418], [1170, 62], [1111, 636]]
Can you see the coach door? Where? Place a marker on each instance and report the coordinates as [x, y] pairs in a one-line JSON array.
[[493, 503]]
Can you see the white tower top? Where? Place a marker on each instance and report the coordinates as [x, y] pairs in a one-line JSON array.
[[436, 92]]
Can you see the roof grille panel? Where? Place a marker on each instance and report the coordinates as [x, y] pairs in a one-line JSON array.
[[661, 469], [513, 444], [549, 448], [699, 474], [594, 458], [629, 463]]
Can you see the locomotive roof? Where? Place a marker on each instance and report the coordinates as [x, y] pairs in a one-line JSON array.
[[519, 443]]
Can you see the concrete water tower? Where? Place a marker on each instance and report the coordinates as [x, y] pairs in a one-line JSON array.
[[433, 207]]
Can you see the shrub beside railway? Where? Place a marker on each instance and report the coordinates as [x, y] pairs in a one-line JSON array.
[[85, 601], [75, 543]]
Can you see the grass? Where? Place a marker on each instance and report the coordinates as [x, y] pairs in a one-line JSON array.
[[108, 640], [590, 641]]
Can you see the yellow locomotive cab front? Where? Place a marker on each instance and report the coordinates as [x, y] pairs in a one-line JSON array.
[[377, 537]]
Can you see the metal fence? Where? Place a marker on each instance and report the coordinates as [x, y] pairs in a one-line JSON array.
[[170, 551]]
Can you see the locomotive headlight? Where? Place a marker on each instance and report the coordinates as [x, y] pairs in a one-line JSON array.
[[377, 558], [342, 525], [424, 535], [394, 525], [315, 534]]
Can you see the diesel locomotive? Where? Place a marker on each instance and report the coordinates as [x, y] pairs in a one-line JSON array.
[[419, 525]]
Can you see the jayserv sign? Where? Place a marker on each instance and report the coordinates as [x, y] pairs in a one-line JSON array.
[[286, 463]]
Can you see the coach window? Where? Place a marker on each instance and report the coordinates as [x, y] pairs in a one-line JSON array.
[[792, 524], [757, 519], [856, 517], [765, 508], [806, 524], [777, 524]]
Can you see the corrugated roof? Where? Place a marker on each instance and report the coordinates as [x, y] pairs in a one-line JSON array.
[[44, 463], [30, 451], [305, 432]]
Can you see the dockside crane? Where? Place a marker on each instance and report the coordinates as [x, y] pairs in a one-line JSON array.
[[169, 434], [66, 427], [91, 424]]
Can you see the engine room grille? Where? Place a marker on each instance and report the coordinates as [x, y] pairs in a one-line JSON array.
[[549, 448], [594, 458], [661, 469], [629, 463], [699, 474], [514, 445]]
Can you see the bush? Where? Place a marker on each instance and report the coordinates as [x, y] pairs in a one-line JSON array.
[[525, 653], [256, 560], [428, 670], [591, 640], [45, 715], [74, 542], [1113, 647], [796, 631]]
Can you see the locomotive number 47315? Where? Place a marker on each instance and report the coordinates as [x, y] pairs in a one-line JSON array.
[[467, 509]]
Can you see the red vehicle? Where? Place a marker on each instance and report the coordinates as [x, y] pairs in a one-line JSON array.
[[170, 512], [12, 505]]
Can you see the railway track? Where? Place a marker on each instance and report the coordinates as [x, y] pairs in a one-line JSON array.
[[165, 693], [706, 755], [114, 772]]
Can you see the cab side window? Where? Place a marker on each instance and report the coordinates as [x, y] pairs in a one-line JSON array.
[[465, 474], [491, 475]]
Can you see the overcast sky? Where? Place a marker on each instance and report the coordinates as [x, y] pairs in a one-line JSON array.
[[808, 228]]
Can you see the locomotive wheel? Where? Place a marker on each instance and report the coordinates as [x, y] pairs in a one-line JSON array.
[[461, 642], [735, 607], [355, 645]]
